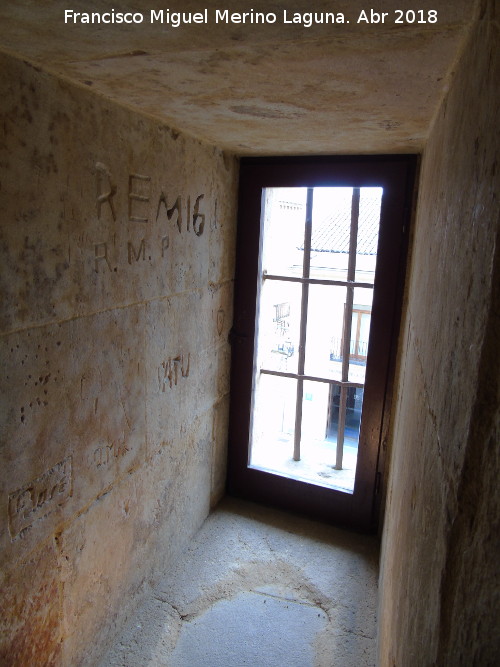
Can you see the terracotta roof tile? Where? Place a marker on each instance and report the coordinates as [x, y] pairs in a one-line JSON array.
[[332, 233]]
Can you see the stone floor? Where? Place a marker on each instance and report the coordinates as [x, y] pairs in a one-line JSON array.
[[260, 587]]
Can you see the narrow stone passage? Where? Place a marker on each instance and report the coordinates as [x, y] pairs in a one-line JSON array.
[[259, 587]]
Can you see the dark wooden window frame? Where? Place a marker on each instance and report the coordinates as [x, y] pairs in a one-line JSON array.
[[396, 175]]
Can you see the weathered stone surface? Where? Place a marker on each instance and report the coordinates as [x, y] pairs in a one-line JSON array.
[[103, 218], [420, 531], [246, 549], [116, 257], [96, 568], [343, 87], [116, 251], [30, 605], [174, 494], [73, 392], [185, 369], [219, 452], [440, 577]]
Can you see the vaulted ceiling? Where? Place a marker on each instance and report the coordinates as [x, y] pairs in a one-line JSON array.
[[258, 89]]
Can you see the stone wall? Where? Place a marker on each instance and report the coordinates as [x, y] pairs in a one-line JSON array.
[[439, 566], [116, 244]]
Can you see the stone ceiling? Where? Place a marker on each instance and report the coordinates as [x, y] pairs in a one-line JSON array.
[[257, 89]]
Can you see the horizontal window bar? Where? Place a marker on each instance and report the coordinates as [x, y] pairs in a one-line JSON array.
[[296, 376], [317, 281]]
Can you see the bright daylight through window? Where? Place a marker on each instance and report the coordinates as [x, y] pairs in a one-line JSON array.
[[314, 301]]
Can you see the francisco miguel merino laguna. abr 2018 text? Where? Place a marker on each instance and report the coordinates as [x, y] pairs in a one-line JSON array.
[[306, 19]]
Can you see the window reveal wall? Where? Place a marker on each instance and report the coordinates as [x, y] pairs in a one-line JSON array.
[[116, 241], [441, 524]]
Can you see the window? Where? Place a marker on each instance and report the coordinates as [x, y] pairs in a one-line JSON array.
[[360, 331], [321, 245]]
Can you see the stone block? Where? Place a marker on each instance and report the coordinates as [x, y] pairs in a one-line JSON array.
[[107, 221], [117, 302], [100, 564], [30, 622], [219, 449], [77, 414]]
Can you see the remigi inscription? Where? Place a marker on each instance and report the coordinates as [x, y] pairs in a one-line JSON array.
[[171, 211], [140, 197], [40, 497], [194, 221]]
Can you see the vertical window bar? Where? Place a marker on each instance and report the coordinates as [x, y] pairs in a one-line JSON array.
[[346, 344], [303, 324]]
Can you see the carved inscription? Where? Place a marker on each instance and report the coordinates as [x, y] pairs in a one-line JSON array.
[[220, 320], [106, 453], [194, 221], [164, 245], [138, 254], [101, 253], [140, 197], [180, 211], [139, 191], [106, 190], [40, 497], [175, 368]]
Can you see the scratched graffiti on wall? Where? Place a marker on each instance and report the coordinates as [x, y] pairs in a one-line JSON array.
[[40, 497], [142, 206], [173, 369]]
